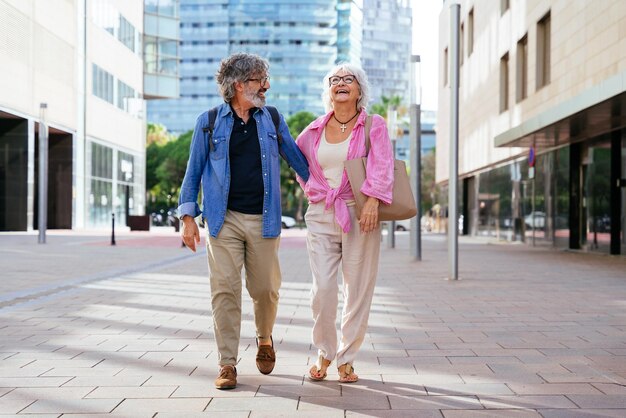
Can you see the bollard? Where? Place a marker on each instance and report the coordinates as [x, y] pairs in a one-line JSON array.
[[112, 229]]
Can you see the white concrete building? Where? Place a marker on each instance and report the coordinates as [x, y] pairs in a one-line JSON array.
[[542, 148], [84, 61]]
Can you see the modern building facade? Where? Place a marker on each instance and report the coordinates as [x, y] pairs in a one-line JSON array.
[[542, 129], [298, 38], [386, 47], [301, 40], [61, 70]]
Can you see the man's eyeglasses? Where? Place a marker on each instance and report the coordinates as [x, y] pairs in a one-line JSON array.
[[262, 81], [348, 79]]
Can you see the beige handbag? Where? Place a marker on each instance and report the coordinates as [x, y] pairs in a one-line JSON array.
[[403, 204]]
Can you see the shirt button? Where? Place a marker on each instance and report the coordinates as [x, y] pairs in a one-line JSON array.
[[245, 132], [263, 155], [242, 123]]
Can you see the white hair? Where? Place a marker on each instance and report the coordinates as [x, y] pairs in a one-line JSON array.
[[361, 77]]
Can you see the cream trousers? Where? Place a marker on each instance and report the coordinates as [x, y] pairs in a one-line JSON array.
[[357, 253], [240, 244]]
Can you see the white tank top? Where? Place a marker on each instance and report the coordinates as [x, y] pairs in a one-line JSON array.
[[331, 158]]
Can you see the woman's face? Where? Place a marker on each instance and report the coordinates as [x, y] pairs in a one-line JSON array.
[[344, 88]]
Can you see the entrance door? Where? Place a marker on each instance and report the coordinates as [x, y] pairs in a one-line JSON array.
[[596, 193]]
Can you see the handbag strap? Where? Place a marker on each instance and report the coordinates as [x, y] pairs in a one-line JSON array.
[[368, 126]]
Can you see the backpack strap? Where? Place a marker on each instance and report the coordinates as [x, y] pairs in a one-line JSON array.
[[276, 119], [211, 127], [368, 127]]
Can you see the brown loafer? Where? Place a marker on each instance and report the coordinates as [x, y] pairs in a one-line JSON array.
[[265, 357], [227, 378]]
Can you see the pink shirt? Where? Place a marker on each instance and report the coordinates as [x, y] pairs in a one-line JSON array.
[[379, 178]]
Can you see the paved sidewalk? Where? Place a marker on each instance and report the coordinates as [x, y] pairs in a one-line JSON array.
[[90, 330]]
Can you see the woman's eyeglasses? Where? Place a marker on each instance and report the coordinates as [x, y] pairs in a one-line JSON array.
[[348, 79]]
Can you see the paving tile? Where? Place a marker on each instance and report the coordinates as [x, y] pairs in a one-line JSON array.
[[434, 402], [68, 406], [83, 371], [323, 389], [599, 401], [525, 401], [13, 406], [469, 389], [186, 414], [34, 393], [132, 406], [423, 413], [581, 413], [26, 382], [352, 403], [130, 392], [553, 389], [253, 403], [510, 413], [107, 381]]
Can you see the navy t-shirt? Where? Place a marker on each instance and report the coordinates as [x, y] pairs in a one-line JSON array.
[[246, 175]]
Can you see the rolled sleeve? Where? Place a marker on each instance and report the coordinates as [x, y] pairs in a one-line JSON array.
[[292, 154], [187, 201], [379, 178]]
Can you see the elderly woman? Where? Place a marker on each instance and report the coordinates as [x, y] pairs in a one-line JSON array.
[[335, 235]]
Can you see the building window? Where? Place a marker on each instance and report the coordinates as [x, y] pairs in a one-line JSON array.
[[504, 6], [102, 84], [445, 67], [543, 51], [504, 83], [126, 34], [470, 32], [522, 69], [124, 93]]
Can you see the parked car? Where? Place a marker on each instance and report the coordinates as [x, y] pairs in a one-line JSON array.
[[287, 222], [535, 220]]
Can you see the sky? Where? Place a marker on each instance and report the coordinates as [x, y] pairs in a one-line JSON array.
[[425, 44]]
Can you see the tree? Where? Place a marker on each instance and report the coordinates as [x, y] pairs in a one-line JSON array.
[[291, 192], [166, 161]]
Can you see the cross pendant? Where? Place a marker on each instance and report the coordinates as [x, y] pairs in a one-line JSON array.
[[343, 127]]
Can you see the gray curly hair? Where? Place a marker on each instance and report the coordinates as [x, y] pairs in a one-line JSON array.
[[238, 67], [361, 77]]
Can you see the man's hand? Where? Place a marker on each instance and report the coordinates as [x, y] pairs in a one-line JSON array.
[[369, 215], [190, 233]]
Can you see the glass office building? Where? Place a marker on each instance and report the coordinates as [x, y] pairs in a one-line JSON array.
[[299, 39], [386, 48]]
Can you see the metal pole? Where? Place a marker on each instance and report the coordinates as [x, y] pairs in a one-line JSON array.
[[113, 229], [416, 138], [453, 231], [42, 223]]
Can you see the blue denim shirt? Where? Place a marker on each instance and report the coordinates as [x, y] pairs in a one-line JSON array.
[[211, 167]]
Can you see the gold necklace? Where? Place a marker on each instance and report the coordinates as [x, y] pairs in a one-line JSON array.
[[343, 124]]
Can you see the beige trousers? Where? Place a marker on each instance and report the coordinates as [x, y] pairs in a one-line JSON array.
[[240, 244], [358, 255]]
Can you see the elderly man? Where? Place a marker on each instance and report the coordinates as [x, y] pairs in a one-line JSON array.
[[234, 155]]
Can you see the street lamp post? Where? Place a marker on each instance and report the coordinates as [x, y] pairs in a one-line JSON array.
[[453, 230], [416, 164], [42, 218]]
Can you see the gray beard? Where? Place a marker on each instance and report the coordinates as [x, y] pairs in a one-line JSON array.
[[254, 99]]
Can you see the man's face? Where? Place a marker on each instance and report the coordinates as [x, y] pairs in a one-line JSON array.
[[254, 90]]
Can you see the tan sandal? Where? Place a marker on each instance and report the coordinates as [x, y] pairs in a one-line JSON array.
[[346, 374], [318, 371]]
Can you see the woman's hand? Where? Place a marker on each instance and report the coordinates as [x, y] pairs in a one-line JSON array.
[[369, 215]]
